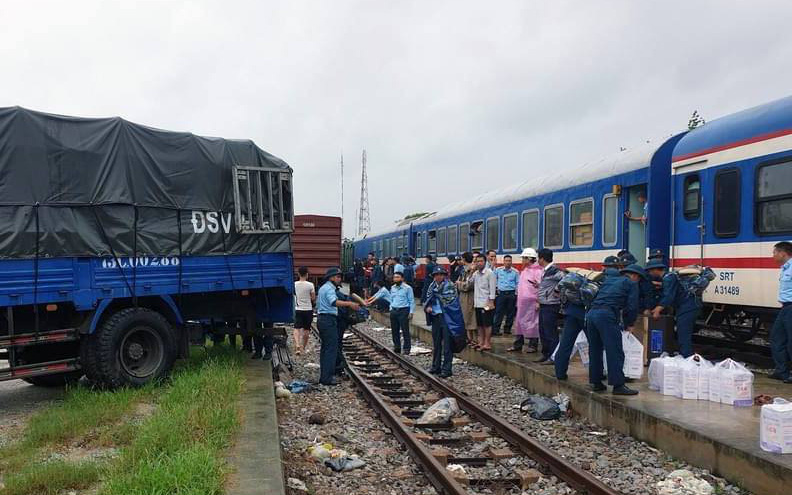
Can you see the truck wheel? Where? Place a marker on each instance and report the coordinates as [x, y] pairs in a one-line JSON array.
[[131, 348], [51, 352]]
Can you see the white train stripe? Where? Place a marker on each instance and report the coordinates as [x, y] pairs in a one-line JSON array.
[[731, 155]]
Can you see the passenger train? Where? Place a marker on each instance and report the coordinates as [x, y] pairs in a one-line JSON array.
[[719, 195]]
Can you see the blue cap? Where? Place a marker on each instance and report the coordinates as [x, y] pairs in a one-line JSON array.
[[610, 261], [332, 272], [439, 270], [633, 268], [656, 263]]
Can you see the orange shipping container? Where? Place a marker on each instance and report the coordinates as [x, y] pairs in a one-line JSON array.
[[316, 243]]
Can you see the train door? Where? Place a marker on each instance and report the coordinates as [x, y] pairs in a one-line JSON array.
[[636, 226]]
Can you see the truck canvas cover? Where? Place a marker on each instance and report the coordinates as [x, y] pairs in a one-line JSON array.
[[108, 187]]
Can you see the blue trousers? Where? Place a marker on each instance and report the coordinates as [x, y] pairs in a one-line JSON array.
[[548, 328], [604, 332], [441, 345], [328, 352], [781, 340], [340, 362], [574, 323], [685, 323], [400, 324]]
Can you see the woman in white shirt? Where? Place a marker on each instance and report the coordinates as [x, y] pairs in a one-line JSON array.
[[304, 298]]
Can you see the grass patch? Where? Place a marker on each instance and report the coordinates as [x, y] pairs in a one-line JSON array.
[[49, 478], [180, 448], [177, 449]]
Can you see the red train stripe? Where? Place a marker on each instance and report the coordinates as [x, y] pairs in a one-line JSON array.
[[735, 144], [755, 262]]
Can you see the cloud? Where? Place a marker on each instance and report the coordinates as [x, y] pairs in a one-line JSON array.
[[450, 98]]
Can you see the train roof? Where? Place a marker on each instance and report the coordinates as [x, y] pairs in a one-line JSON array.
[[759, 123], [615, 164]]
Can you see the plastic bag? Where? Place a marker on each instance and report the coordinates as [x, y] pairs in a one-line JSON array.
[[553, 355], [299, 386], [582, 347], [736, 383], [670, 380], [633, 356], [344, 463], [540, 407], [656, 372], [689, 372], [712, 376], [706, 370], [440, 412], [775, 427]]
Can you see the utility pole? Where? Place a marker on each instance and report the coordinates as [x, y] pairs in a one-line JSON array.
[[342, 194], [364, 220]]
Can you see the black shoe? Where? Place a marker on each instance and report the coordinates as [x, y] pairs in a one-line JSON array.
[[778, 376], [598, 387], [406, 352], [563, 378], [542, 360], [445, 374], [495, 334], [397, 350], [624, 390], [434, 372], [329, 384], [549, 362], [788, 380], [628, 379], [255, 355], [267, 356]]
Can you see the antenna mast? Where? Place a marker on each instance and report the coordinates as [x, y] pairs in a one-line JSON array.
[[364, 221]]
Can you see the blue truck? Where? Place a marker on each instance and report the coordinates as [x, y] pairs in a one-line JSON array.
[[121, 244]]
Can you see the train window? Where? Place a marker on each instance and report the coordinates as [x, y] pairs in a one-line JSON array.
[[581, 223], [405, 244], [452, 239], [477, 234], [441, 241], [692, 197], [554, 226], [610, 219], [530, 229], [464, 237], [774, 198], [418, 244], [510, 232], [493, 233], [727, 203], [432, 249]]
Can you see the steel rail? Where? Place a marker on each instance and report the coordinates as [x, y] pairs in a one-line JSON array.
[[576, 477], [440, 478]]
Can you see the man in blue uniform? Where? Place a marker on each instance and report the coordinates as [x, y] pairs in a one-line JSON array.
[[427, 281], [442, 302], [781, 334], [327, 322], [618, 297], [402, 307], [506, 301], [655, 271], [686, 308]]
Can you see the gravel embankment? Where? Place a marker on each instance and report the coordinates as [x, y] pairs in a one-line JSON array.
[[621, 461], [349, 425]]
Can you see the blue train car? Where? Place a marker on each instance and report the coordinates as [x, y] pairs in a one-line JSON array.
[[122, 242], [732, 201]]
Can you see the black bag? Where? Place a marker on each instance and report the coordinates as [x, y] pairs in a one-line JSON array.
[[458, 343], [540, 407]]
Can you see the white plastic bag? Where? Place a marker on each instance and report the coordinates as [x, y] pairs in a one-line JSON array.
[[553, 355], [689, 369], [736, 383], [671, 371], [712, 375], [440, 412], [656, 372], [582, 347], [706, 370], [775, 427], [633, 356]]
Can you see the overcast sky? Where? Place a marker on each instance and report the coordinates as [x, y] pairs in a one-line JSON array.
[[449, 98]]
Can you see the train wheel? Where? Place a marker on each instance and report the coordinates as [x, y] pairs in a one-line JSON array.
[[133, 347]]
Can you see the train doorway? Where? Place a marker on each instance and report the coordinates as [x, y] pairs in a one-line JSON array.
[[636, 221]]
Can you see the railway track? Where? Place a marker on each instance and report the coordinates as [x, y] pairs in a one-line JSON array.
[[498, 457]]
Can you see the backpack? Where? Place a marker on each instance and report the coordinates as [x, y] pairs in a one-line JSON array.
[[577, 289], [695, 279]]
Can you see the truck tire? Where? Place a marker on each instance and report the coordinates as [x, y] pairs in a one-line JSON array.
[[131, 348], [51, 352]]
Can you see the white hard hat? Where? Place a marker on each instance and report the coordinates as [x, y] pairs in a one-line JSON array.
[[529, 253]]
